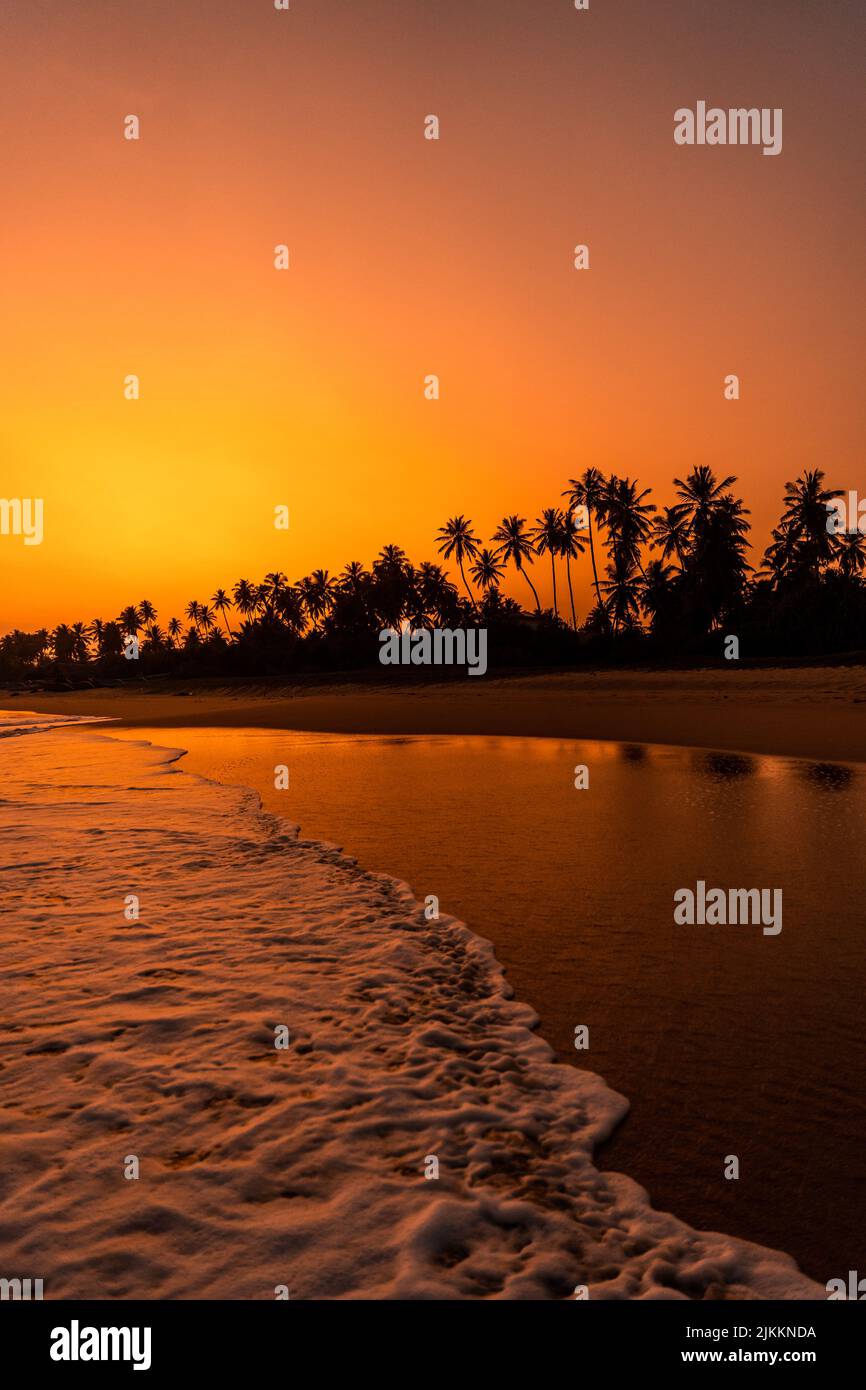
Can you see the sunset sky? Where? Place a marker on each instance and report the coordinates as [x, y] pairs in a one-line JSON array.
[[408, 257]]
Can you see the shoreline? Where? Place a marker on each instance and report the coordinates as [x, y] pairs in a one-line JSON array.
[[249, 1160], [539, 958], [817, 713]]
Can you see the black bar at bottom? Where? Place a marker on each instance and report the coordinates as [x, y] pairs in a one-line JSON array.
[[405, 1340]]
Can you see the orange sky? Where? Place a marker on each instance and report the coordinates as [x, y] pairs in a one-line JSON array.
[[408, 257]]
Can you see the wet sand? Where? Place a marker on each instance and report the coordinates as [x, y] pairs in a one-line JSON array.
[[814, 712]]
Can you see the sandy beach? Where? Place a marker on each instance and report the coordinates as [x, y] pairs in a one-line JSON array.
[[276, 1073], [135, 1047], [814, 712]]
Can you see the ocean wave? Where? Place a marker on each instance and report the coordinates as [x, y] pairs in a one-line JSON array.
[[14, 723], [302, 1167]]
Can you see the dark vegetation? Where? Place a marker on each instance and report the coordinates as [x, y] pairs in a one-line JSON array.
[[667, 584]]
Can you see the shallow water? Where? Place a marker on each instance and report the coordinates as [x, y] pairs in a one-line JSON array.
[[725, 1040], [159, 1141]]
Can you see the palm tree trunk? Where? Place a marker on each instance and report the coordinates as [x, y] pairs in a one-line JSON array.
[[570, 590], [226, 621], [466, 586], [532, 587], [592, 557], [553, 572]]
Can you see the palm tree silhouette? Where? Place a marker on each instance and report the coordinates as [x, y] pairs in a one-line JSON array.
[[655, 588], [627, 518], [437, 595], [700, 492], [811, 589], [62, 641], [807, 515], [390, 557], [589, 492], [547, 539], [670, 532], [622, 590], [289, 608], [390, 591], [515, 545], [717, 568], [571, 545], [270, 591], [354, 577], [112, 641], [79, 650], [129, 621], [205, 618], [246, 597], [221, 602], [852, 554], [487, 571], [320, 593], [456, 538]]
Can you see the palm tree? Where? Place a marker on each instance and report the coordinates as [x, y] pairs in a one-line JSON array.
[[487, 571], [515, 545], [205, 618], [148, 612], [319, 594], [391, 587], [79, 650], [193, 611], [547, 538], [221, 602], [353, 577], [588, 492], [62, 641], [390, 557], [597, 620], [627, 518], [289, 607], [670, 532], [572, 544], [622, 591], [174, 629], [438, 596], [700, 492], [111, 644], [852, 554], [246, 597], [780, 557], [269, 592], [716, 575], [807, 517], [129, 621], [656, 587], [456, 538]]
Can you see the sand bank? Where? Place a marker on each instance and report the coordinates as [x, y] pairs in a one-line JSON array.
[[814, 712]]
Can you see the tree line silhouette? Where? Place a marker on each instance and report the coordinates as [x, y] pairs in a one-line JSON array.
[[665, 584]]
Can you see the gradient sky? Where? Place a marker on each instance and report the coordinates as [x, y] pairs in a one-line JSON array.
[[408, 257]]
